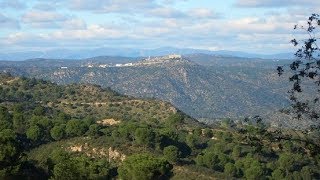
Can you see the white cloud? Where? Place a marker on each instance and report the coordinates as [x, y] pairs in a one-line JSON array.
[[146, 8], [166, 12], [16, 37], [232, 34], [36, 16], [276, 3], [22, 39], [111, 6], [148, 23], [92, 32], [93, 35], [74, 23], [8, 23], [45, 6], [171, 23], [266, 25], [265, 38], [155, 31], [52, 19], [203, 13], [14, 4]]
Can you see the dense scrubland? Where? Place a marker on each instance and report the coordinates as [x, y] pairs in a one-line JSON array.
[[50, 131]]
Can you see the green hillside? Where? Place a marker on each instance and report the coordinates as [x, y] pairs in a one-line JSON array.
[[87, 132]]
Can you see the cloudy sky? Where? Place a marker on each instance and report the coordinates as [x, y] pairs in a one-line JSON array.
[[259, 26]]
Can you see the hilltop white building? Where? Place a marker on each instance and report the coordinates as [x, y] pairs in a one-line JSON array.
[[174, 56], [103, 65], [128, 64]]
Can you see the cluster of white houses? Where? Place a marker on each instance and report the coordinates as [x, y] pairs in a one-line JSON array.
[[147, 61]]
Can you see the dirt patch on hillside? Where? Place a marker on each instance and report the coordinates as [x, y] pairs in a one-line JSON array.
[[108, 122], [12, 80], [110, 153]]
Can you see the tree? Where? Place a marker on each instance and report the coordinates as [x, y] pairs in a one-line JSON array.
[[58, 155], [98, 169], [94, 130], [5, 119], [19, 123], [66, 170], [278, 174], [127, 130], [34, 133], [171, 153], [289, 162], [230, 170], [227, 123], [208, 133], [197, 132], [255, 171], [89, 121], [306, 173], [192, 141], [209, 160], [223, 160], [236, 151], [144, 136], [144, 167], [10, 154], [169, 133], [227, 137], [57, 132], [39, 111], [62, 118], [175, 120], [75, 127], [66, 166], [304, 70]]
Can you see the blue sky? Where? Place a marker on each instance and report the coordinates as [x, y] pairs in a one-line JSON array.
[[257, 26]]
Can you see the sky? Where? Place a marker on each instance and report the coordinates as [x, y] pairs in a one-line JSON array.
[[255, 26]]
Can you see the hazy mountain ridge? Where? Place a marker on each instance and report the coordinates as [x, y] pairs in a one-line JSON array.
[[127, 52]]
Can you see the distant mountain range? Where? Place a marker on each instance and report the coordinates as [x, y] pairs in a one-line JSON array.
[[127, 52]]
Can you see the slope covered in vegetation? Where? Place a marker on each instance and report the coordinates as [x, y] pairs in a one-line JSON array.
[[86, 132], [223, 87]]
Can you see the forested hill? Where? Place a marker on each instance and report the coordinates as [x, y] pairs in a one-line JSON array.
[[37, 112], [50, 131], [81, 100], [203, 86]]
